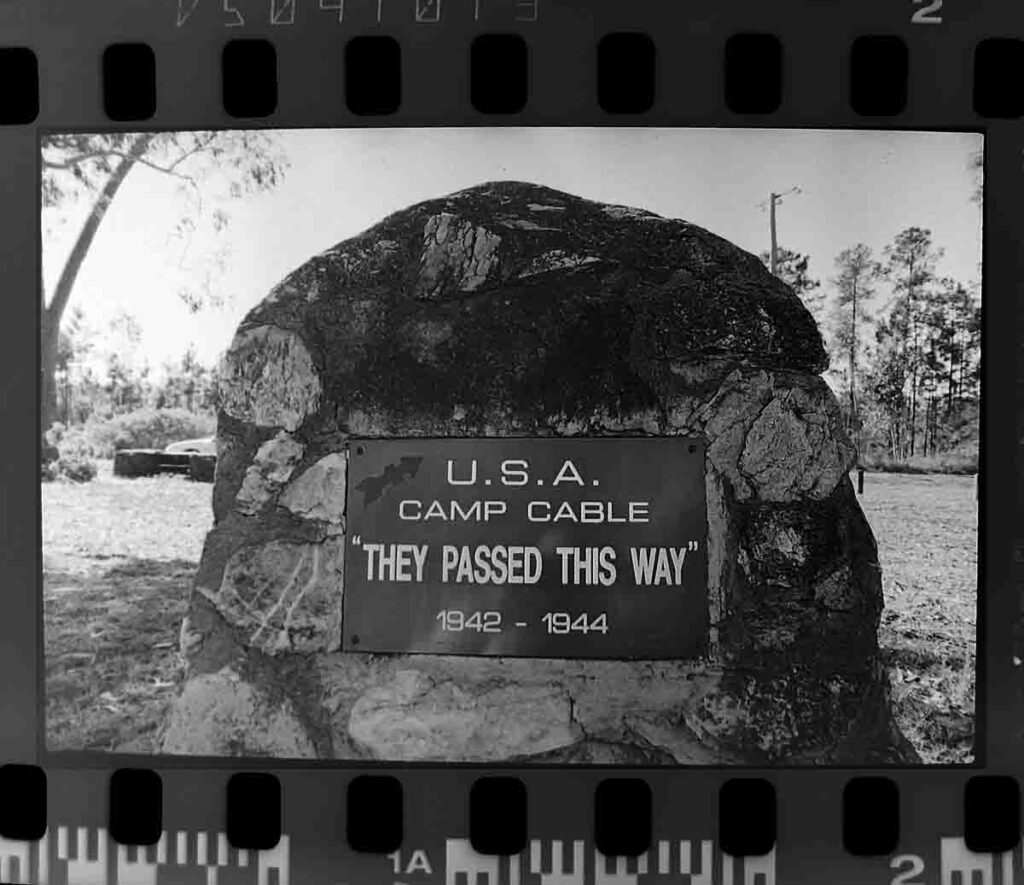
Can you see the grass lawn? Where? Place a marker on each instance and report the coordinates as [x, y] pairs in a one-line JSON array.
[[118, 561], [119, 556], [926, 527]]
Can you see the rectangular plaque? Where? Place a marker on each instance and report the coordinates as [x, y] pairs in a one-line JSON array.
[[561, 548]]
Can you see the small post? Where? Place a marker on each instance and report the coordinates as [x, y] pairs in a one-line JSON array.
[[860, 480]]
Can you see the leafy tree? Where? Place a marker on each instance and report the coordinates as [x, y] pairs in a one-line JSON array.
[[885, 383], [967, 319], [211, 168], [211, 395], [193, 377], [188, 385], [954, 327], [909, 266], [792, 268], [87, 396], [977, 167], [124, 382], [854, 289], [74, 345], [118, 385]]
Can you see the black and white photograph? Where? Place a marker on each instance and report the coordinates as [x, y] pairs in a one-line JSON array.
[[543, 446]]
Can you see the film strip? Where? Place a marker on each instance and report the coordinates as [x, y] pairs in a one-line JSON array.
[[511, 441]]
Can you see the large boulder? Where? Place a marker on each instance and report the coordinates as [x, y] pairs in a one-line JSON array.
[[514, 309]]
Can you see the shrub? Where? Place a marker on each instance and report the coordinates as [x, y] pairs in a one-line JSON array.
[[76, 468], [155, 428], [86, 439], [963, 462], [49, 451], [55, 434], [74, 461], [142, 429], [958, 462]]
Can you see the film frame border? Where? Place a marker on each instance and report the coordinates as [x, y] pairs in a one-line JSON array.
[[998, 689]]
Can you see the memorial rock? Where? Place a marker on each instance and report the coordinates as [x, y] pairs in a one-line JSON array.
[[511, 309]]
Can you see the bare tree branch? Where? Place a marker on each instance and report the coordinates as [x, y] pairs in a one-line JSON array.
[[200, 146], [74, 162]]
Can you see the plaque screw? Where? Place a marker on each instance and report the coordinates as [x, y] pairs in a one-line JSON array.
[[693, 449], [355, 639], [359, 450]]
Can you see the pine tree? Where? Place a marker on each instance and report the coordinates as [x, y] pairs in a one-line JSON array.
[[886, 381], [792, 268], [954, 318], [854, 289], [910, 268]]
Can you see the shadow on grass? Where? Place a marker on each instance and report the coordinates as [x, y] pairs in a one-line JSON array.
[[111, 644]]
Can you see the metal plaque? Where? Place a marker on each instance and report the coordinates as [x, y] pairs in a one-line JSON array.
[[563, 548]]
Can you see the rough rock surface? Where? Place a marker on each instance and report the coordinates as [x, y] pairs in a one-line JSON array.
[[514, 309], [271, 467], [414, 717], [319, 493], [285, 596], [219, 714]]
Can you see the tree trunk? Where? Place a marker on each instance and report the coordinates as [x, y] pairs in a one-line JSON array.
[[926, 441], [933, 432], [924, 430], [912, 320], [49, 327], [48, 363], [949, 384], [913, 409], [853, 367], [960, 380]]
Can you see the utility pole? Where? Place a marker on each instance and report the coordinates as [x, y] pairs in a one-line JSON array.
[[773, 200]]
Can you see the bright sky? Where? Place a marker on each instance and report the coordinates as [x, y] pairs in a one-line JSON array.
[[857, 186]]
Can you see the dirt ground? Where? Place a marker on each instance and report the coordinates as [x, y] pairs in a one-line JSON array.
[[119, 555]]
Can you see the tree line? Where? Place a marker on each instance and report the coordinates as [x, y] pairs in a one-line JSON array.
[[904, 345], [91, 386]]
